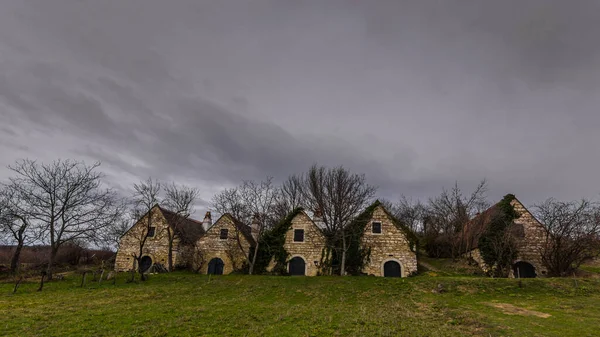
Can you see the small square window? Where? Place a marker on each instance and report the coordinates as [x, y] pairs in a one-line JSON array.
[[224, 233], [376, 227], [298, 235], [151, 231]]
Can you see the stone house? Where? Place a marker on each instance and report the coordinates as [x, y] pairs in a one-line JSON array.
[[156, 247], [304, 242], [392, 250], [224, 247], [529, 235]]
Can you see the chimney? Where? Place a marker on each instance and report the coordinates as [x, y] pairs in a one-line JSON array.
[[318, 217], [255, 226], [207, 222]]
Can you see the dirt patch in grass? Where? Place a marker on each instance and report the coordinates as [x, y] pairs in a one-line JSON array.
[[510, 309]]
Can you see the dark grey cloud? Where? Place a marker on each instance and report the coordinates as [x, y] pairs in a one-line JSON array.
[[415, 94]]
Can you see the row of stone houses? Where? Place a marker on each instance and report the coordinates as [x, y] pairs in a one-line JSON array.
[[223, 246]]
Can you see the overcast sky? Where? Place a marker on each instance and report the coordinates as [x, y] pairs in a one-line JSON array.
[[415, 94]]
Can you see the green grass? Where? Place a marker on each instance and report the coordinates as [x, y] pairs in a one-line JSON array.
[[182, 304], [448, 267], [591, 269]]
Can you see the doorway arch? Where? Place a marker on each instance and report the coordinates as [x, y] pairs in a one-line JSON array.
[[215, 266], [297, 266], [145, 263], [392, 268], [524, 269]]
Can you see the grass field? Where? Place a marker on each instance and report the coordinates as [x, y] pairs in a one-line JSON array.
[[185, 304]]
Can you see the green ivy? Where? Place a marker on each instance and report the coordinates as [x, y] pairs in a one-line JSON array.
[[494, 236], [271, 246], [357, 255]]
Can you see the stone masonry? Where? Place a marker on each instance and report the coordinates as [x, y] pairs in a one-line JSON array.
[[210, 245], [311, 249], [156, 247], [530, 241], [391, 245]]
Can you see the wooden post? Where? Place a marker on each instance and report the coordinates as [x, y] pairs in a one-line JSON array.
[[17, 284], [83, 278], [42, 281], [101, 275]]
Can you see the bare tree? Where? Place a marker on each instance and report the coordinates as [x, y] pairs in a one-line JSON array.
[[572, 234], [340, 195], [14, 224], [179, 200], [408, 211], [254, 203], [445, 217], [230, 201], [289, 197], [260, 199], [111, 235], [66, 199], [145, 197]]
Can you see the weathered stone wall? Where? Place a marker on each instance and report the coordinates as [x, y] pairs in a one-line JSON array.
[[156, 247], [475, 254], [210, 246], [311, 249], [391, 244], [531, 245]]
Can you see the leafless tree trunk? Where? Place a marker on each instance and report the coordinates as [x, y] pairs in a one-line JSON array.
[[252, 203], [179, 200], [14, 223], [44, 274], [340, 195], [66, 199], [145, 197]]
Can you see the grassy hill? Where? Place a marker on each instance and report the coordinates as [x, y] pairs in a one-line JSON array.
[[185, 304]]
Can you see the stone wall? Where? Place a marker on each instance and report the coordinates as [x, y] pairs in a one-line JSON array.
[[211, 246], [530, 246], [392, 244], [156, 247], [311, 249]]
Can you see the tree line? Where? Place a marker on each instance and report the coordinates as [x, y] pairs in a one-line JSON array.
[[67, 202]]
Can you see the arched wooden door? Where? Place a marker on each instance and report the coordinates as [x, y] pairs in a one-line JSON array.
[[215, 266], [392, 269], [297, 266], [145, 263], [524, 269]]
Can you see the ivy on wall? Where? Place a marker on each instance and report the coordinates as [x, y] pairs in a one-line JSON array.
[[271, 246], [496, 243]]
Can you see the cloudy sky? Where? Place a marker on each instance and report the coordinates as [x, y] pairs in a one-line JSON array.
[[416, 94]]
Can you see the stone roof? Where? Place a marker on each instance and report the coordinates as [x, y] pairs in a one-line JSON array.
[[475, 227], [188, 229]]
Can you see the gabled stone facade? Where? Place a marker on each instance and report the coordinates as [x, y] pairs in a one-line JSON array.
[[528, 232], [310, 250], [227, 251], [388, 244], [156, 247]]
